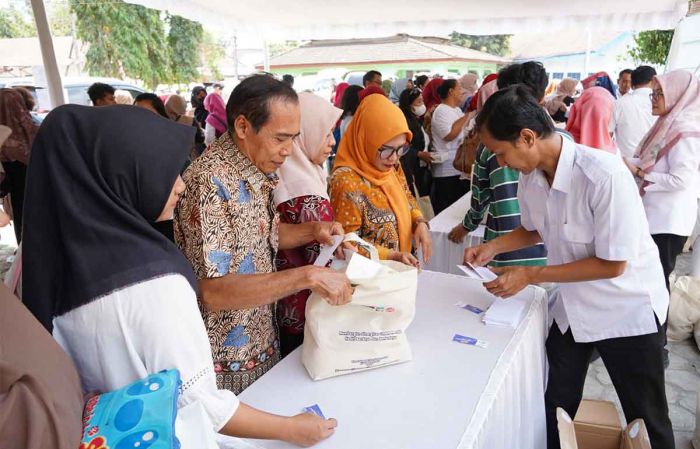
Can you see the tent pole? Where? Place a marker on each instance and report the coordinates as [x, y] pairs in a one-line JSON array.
[[48, 55], [587, 61], [266, 64]]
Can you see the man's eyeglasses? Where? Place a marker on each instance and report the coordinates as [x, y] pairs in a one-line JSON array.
[[385, 152]]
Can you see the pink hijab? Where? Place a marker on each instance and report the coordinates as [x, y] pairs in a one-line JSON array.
[[468, 83], [589, 119], [485, 92], [681, 120], [299, 176], [214, 104]]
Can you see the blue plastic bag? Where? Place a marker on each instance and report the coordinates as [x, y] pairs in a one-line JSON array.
[[138, 416]]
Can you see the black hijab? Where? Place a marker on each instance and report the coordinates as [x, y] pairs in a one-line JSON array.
[[200, 113], [97, 180]]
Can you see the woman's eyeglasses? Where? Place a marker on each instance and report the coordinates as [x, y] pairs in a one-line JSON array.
[[656, 94], [385, 152]]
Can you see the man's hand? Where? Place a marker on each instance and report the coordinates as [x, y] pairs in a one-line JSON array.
[[510, 280], [331, 285], [457, 234], [323, 231], [424, 241], [479, 255]]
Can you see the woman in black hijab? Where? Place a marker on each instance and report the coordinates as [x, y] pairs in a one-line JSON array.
[[119, 297], [197, 101]]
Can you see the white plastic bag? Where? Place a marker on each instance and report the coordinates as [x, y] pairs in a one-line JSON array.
[[684, 309], [369, 332]]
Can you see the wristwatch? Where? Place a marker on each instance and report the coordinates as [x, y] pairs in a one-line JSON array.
[[639, 173]]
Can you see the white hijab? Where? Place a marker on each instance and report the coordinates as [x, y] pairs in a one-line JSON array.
[[299, 176]]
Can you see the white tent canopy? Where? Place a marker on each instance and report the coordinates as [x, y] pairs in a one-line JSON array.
[[333, 19]]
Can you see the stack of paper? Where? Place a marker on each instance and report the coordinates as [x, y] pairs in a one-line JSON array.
[[479, 273], [506, 312]]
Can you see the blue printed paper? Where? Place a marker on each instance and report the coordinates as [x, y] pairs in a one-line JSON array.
[[469, 341], [469, 307], [314, 409]]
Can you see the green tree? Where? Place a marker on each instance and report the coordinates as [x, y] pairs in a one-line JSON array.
[[125, 40], [14, 24], [651, 47], [277, 48], [60, 18], [496, 44], [213, 53], [184, 38]]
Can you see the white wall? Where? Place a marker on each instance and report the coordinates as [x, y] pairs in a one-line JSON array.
[[612, 58]]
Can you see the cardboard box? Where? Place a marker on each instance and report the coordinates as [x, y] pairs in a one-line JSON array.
[[597, 426]]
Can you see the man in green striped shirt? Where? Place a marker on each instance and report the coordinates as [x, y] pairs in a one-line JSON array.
[[495, 188]]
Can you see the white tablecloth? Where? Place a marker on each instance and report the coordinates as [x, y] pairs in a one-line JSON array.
[[450, 396], [446, 254]]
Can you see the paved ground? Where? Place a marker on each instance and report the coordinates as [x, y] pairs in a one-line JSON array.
[[682, 377]]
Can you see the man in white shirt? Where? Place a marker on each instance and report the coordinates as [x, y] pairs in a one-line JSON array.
[[632, 117], [583, 204], [624, 83]]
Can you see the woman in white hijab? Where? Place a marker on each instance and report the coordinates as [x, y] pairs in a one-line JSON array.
[[301, 196]]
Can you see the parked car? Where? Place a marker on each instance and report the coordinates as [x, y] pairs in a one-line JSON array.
[[75, 88]]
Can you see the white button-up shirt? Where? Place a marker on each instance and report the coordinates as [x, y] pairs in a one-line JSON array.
[[441, 124], [631, 120], [593, 208], [671, 198]]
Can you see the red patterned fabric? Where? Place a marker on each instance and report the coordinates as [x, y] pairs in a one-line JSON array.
[[290, 310]]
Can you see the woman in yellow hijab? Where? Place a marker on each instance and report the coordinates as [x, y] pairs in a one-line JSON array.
[[369, 193]]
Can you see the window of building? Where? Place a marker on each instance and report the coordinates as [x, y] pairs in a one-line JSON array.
[[576, 75], [558, 75]]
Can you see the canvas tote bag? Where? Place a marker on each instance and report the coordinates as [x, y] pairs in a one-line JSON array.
[[370, 331]]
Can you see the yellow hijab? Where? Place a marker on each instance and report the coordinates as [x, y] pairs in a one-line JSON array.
[[377, 121]]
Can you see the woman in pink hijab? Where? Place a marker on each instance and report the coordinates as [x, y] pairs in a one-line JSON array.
[[302, 196], [667, 164], [216, 124], [589, 119]]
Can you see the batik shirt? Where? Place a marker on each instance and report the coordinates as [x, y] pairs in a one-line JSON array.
[[226, 222]]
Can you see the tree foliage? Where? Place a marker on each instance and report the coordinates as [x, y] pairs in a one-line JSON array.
[[496, 44], [213, 53], [651, 47], [14, 24], [184, 38], [125, 40]]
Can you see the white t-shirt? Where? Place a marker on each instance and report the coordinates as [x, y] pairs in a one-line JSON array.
[[143, 329], [593, 208], [631, 120], [209, 134], [441, 124], [671, 198]]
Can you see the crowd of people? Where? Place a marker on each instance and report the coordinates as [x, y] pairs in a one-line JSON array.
[[157, 235]]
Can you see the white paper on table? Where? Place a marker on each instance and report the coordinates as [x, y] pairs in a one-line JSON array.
[[327, 251], [506, 312], [479, 273], [361, 268]]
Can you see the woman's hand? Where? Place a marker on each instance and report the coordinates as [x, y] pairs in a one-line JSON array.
[[425, 156], [404, 258], [306, 429], [510, 280], [424, 241], [457, 234]]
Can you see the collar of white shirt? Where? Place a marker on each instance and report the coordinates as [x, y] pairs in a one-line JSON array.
[[565, 167]]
